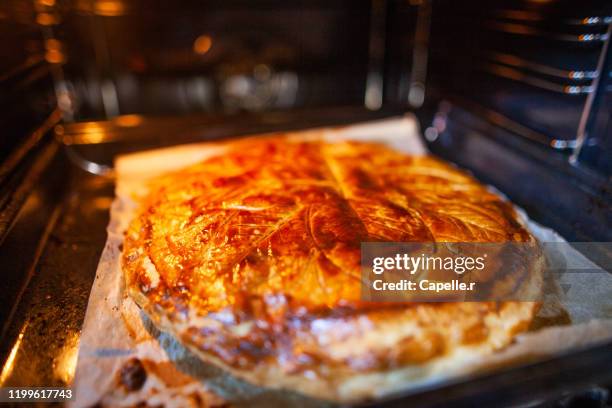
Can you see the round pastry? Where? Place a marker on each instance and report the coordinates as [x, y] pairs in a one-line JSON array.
[[251, 259]]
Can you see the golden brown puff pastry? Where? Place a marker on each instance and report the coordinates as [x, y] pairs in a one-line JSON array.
[[252, 260]]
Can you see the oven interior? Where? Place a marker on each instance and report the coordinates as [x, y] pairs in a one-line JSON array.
[[519, 92]]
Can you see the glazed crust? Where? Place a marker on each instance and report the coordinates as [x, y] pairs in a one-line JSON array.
[[252, 260]]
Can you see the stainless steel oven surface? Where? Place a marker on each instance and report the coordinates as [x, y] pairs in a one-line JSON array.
[[517, 94]]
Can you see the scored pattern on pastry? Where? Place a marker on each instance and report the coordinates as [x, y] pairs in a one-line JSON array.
[[251, 259], [289, 217]]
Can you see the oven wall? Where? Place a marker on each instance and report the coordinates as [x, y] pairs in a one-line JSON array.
[[27, 105], [159, 57], [519, 93], [26, 97]]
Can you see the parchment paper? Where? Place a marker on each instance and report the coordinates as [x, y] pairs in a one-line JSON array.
[[115, 330]]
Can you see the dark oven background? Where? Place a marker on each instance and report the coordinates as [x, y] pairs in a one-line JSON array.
[[162, 57]]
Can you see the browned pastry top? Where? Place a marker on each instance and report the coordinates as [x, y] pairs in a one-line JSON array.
[[271, 231]]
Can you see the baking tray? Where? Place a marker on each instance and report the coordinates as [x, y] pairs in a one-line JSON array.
[[51, 253]]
